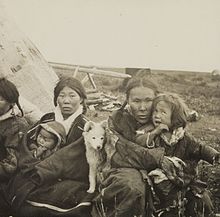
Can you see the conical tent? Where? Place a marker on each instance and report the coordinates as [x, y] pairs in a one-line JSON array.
[[22, 63]]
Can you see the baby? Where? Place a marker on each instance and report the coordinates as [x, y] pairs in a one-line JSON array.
[[47, 139]]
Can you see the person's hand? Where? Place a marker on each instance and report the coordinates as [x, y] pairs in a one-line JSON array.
[[40, 150], [160, 128], [171, 170]]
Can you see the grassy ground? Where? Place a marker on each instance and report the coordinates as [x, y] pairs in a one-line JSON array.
[[202, 94]]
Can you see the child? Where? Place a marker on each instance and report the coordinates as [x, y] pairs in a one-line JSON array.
[[169, 119], [47, 139], [145, 136]]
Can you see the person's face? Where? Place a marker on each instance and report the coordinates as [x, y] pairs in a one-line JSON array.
[[140, 101], [68, 101], [46, 139], [162, 114], [4, 105]]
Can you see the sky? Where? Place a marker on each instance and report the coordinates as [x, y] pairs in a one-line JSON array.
[[157, 34]]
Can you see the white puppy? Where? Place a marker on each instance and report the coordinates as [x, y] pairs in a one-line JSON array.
[[94, 136]]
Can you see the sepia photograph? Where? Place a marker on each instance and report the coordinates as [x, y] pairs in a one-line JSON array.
[[109, 108]]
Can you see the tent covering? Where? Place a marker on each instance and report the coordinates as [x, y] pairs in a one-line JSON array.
[[22, 63]]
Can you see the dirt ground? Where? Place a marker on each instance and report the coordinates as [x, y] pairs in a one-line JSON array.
[[201, 93]]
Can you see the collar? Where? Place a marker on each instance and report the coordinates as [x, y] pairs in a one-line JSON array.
[[177, 135], [67, 122], [14, 111]]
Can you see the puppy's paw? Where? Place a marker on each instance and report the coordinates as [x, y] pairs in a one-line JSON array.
[[91, 190]]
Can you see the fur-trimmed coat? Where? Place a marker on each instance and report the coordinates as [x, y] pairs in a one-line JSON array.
[[124, 126], [123, 189], [188, 148], [60, 180], [130, 154]]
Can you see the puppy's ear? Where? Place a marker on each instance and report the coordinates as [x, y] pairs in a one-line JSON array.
[[88, 126], [104, 124]]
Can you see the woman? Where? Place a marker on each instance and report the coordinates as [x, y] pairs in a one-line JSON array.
[[11, 128], [124, 191], [56, 186]]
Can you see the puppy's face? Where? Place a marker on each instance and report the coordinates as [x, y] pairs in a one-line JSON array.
[[94, 134]]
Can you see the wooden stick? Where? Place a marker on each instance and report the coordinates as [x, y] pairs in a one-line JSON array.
[[91, 80], [85, 79], [88, 91], [96, 95], [93, 101], [109, 96], [90, 70], [75, 72]]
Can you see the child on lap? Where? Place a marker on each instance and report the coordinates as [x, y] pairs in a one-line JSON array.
[[47, 139], [169, 120]]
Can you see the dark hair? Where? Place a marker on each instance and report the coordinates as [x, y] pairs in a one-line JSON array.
[[139, 82], [10, 92], [72, 83], [178, 107]]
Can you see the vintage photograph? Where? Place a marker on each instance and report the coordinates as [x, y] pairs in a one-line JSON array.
[[109, 109]]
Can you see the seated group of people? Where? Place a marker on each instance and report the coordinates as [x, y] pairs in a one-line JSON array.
[[44, 171]]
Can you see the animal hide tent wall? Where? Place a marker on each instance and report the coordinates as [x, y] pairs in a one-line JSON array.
[[22, 63]]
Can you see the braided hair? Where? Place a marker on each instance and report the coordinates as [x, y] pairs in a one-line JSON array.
[[139, 82], [10, 92]]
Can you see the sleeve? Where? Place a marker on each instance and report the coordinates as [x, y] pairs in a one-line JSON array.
[[14, 133], [145, 136], [48, 169], [65, 160], [121, 124], [142, 139], [9, 164], [200, 151], [130, 154], [12, 144], [113, 126]]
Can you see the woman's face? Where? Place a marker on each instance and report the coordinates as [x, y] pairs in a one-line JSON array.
[[140, 101], [4, 105], [68, 101]]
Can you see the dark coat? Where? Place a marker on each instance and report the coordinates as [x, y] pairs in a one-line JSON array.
[[123, 187], [188, 148], [11, 130], [191, 151], [128, 152], [60, 180]]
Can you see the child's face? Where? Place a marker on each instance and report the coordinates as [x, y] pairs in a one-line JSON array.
[[162, 114], [46, 139]]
